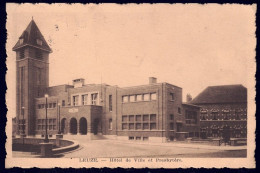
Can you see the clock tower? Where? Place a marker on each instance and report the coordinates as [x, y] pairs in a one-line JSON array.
[[32, 75]]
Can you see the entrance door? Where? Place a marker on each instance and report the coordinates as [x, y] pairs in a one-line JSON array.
[[73, 126]]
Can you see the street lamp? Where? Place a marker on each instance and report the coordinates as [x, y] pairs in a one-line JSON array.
[[59, 131], [46, 140]]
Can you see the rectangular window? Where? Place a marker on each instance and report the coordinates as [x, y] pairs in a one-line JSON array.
[[131, 118], [75, 100], [139, 97], [124, 118], [125, 99], [132, 98], [153, 126], [171, 96], [131, 138], [54, 105], [63, 102], [39, 42], [153, 117], [94, 99], [138, 138], [138, 126], [153, 96], [146, 97], [84, 99], [110, 103], [171, 126], [146, 126], [171, 117], [138, 118], [145, 138], [145, 117], [179, 110], [50, 105], [131, 126], [124, 126], [110, 124], [39, 107]]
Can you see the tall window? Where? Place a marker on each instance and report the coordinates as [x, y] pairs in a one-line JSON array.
[[22, 78], [171, 96], [179, 110], [110, 103], [171, 117], [63, 102], [84, 99], [21, 54], [171, 126], [38, 54], [94, 99], [75, 100], [110, 124]]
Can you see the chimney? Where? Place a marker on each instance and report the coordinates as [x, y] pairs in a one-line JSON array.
[[188, 98], [152, 80], [78, 82]]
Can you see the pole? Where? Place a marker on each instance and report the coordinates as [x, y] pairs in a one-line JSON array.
[[59, 132], [46, 140], [23, 125]]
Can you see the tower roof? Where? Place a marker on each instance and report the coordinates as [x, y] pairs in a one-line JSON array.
[[32, 36], [222, 94]]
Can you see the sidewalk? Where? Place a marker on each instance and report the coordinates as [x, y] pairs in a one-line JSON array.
[[185, 145]]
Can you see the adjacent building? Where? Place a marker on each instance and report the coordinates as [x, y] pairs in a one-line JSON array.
[[152, 112], [221, 106]]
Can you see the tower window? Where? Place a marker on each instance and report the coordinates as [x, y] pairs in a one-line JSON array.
[[21, 40], [38, 54], [21, 54], [39, 42], [110, 103]]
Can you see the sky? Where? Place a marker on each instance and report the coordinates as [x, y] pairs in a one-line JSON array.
[[189, 45]]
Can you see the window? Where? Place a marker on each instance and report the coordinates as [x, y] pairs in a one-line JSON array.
[[131, 137], [38, 54], [54, 105], [138, 126], [179, 110], [138, 118], [38, 76], [171, 126], [39, 42], [146, 126], [153, 117], [145, 138], [63, 102], [146, 97], [131, 118], [21, 54], [171, 117], [125, 99], [145, 117], [153, 96], [171, 96], [138, 138], [21, 40], [124, 118], [124, 126], [153, 126], [84, 99], [110, 103], [131, 126], [132, 98], [75, 100], [50, 105], [94, 99], [110, 124], [139, 97], [39, 106]]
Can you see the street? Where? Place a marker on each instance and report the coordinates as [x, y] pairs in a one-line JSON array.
[[114, 148]]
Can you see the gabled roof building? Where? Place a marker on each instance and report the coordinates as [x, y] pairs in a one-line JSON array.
[[220, 106]]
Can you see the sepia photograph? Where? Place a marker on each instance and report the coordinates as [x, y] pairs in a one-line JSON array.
[[133, 85]]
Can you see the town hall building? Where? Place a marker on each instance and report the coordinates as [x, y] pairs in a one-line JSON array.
[[152, 112]]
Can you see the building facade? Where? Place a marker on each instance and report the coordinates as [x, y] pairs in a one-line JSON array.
[[152, 112], [223, 106]]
